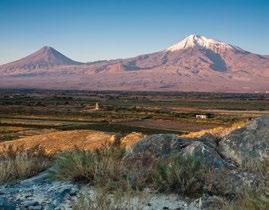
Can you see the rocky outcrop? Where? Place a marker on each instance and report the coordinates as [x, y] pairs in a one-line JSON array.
[[158, 145], [225, 179], [205, 154], [38, 193], [249, 143], [161, 145]]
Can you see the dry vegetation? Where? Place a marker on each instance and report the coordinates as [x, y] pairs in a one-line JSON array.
[[106, 170], [58, 141], [18, 163], [218, 131], [118, 180], [183, 175], [88, 156]]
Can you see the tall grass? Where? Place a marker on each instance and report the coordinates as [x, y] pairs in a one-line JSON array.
[[18, 162], [255, 197], [105, 168], [101, 167], [118, 180], [183, 175]]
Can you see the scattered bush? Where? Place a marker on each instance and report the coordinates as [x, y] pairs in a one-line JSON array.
[[117, 179], [139, 170], [101, 167], [255, 197], [250, 200], [179, 174], [18, 162]]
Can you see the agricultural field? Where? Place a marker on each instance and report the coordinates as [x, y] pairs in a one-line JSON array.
[[29, 112]]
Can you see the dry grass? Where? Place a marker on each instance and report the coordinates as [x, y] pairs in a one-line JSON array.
[[183, 175], [100, 167], [257, 196], [104, 168], [102, 199], [18, 163], [61, 141], [219, 131], [250, 200]]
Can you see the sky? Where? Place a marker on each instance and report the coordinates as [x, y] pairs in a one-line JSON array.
[[89, 30]]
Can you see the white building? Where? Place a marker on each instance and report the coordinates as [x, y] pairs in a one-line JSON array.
[[201, 116], [97, 106]]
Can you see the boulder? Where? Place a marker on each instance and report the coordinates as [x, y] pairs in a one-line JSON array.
[[157, 145], [205, 154], [208, 139], [249, 143], [230, 183]]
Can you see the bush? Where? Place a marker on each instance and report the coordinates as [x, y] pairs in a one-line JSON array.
[[179, 174], [139, 171], [101, 167], [255, 197], [104, 168], [249, 200], [18, 162]]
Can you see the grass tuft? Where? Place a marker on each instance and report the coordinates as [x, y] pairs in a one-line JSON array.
[[183, 175], [18, 162]]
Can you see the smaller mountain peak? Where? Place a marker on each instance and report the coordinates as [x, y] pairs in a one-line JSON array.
[[47, 48]]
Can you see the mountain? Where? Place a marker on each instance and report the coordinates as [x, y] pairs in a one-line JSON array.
[[46, 57], [196, 63]]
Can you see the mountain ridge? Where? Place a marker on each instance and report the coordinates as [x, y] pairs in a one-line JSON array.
[[196, 63]]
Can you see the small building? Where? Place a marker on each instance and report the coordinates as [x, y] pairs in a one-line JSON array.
[[97, 106], [201, 116]]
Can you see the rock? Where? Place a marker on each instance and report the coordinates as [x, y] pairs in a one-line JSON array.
[[249, 143], [205, 154], [38, 207], [28, 203], [6, 205], [39, 192], [208, 140], [230, 183], [157, 145]]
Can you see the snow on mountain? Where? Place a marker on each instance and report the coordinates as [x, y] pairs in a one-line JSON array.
[[202, 42]]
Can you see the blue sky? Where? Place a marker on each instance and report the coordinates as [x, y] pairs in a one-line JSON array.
[[88, 30]]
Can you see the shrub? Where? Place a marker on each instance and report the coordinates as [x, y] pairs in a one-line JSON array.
[[139, 170], [18, 162], [250, 200], [255, 197], [101, 167], [179, 174]]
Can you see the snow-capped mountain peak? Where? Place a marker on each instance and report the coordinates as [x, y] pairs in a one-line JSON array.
[[201, 42]]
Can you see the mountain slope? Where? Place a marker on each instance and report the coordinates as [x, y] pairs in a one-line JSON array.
[[194, 64], [46, 57]]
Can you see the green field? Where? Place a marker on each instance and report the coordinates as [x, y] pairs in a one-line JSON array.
[[30, 112]]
